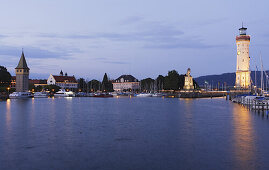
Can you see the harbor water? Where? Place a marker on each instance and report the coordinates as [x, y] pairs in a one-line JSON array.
[[131, 133]]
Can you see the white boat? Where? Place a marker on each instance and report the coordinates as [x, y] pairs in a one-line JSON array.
[[41, 95], [144, 95], [20, 95], [157, 95], [63, 93]]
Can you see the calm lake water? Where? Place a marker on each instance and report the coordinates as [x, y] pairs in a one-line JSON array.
[[131, 133]]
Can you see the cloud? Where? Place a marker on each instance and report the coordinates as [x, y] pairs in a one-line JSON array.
[[33, 52], [210, 21], [131, 20], [149, 34], [115, 62], [109, 61]]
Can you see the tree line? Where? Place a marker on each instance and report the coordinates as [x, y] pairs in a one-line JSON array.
[[172, 81], [95, 85]]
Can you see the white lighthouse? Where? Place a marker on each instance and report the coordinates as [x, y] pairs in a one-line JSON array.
[[242, 66]]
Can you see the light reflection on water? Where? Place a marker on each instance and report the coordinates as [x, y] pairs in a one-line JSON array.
[[244, 136], [8, 114]]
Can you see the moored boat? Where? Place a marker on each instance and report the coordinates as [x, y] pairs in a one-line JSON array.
[[144, 95], [41, 95], [20, 95], [104, 95], [63, 93], [157, 95]]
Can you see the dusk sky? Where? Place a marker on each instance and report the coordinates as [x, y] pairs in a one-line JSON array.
[[144, 38]]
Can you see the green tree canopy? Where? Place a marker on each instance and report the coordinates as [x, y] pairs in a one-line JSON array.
[[82, 85], [106, 84], [160, 82], [5, 77], [171, 81], [52, 88], [147, 84], [94, 85]]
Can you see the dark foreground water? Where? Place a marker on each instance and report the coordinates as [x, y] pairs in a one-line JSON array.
[[131, 133]]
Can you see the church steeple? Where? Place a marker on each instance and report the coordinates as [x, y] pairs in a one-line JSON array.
[[22, 63]]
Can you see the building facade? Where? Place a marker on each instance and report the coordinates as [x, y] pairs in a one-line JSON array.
[[22, 75], [243, 79], [34, 82], [188, 83], [63, 81], [126, 82]]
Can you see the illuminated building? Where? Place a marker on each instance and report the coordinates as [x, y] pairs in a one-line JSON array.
[[188, 83], [63, 81], [126, 82], [243, 59]]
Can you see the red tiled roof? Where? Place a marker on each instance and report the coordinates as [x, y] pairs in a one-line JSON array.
[[71, 79], [37, 81]]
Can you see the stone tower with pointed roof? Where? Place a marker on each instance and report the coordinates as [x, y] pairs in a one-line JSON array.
[[22, 75]]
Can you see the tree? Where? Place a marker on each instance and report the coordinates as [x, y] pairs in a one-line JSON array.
[[5, 77], [94, 85], [160, 82], [171, 81], [82, 85], [196, 85], [181, 81], [106, 84], [147, 84], [52, 88]]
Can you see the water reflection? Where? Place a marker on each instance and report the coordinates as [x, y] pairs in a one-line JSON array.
[[244, 144], [8, 115]]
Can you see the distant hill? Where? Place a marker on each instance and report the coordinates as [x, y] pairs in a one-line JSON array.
[[228, 78]]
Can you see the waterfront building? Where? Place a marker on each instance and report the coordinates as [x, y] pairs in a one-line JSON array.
[[13, 82], [126, 82], [34, 82], [22, 75], [63, 81], [243, 59], [38, 82], [188, 83]]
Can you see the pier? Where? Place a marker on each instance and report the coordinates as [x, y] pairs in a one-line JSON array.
[[258, 104]]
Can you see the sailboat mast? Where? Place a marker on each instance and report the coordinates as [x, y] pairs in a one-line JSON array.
[[256, 79], [261, 75]]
